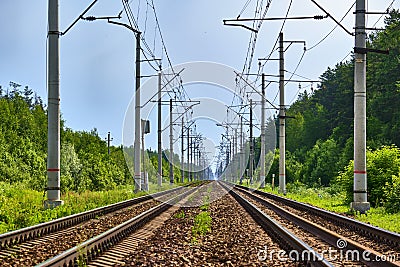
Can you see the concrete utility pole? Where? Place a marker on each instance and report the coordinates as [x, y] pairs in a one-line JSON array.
[[188, 153], [360, 202], [282, 115], [235, 148], [183, 151], [159, 132], [251, 143], [241, 152], [226, 150], [143, 124], [137, 118], [136, 144], [53, 141], [171, 145], [109, 139], [231, 148], [198, 163], [191, 169], [262, 152], [236, 157], [195, 161]]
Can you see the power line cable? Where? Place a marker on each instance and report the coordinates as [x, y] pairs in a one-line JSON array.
[[297, 75], [387, 9], [244, 8], [318, 43], [348, 54], [334, 28], [298, 91], [251, 46], [149, 52], [145, 21], [164, 46], [274, 48], [250, 50]]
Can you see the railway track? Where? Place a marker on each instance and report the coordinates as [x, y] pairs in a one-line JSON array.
[[151, 235], [227, 244], [110, 247], [32, 245], [287, 240], [370, 245], [114, 255]]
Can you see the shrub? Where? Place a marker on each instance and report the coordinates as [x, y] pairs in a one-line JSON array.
[[392, 195], [382, 165]]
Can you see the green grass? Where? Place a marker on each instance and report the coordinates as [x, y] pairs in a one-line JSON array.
[[379, 217], [202, 221], [206, 203], [202, 224], [326, 198], [180, 215], [21, 207]]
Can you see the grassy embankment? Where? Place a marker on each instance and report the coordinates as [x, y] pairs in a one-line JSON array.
[[21, 207], [326, 198]]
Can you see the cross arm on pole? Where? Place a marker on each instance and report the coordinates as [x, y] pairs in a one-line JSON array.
[[252, 87], [189, 107], [230, 22], [226, 23], [124, 25]]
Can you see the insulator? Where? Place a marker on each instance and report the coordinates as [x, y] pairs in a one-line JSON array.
[[90, 18]]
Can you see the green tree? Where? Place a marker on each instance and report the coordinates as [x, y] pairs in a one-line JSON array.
[[70, 168]]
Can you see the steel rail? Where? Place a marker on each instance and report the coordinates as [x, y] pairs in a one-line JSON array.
[[280, 234], [90, 249], [25, 234], [373, 232], [325, 234]]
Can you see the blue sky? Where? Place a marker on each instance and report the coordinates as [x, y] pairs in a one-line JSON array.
[[97, 59]]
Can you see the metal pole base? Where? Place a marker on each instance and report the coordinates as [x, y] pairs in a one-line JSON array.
[[361, 207], [137, 184], [159, 180], [280, 191], [145, 185], [262, 178], [51, 204]]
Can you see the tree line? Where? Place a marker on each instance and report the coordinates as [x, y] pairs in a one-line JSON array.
[[85, 163], [84, 160]]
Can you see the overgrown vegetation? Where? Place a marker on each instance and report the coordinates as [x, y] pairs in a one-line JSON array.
[[180, 215], [202, 224], [202, 221], [383, 170], [21, 207]]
